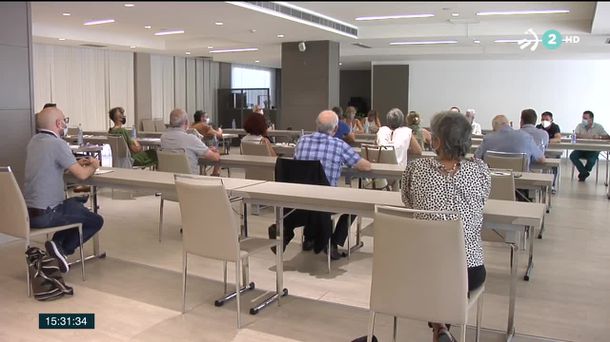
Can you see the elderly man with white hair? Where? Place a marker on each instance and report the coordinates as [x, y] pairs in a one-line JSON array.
[[176, 138], [47, 158], [333, 153], [476, 128]]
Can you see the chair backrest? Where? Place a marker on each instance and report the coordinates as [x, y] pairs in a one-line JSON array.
[[174, 161], [14, 213], [259, 173], [300, 171], [502, 185], [159, 125], [379, 154], [209, 226], [419, 266], [121, 156], [148, 125], [518, 162], [72, 131]]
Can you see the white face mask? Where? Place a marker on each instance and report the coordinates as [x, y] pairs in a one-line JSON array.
[[206, 120], [65, 131], [585, 123], [546, 124]]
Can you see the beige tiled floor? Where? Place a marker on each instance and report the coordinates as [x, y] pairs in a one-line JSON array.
[[136, 291]]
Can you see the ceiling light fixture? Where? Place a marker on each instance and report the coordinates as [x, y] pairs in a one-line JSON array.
[[165, 33], [476, 41], [431, 42], [147, 27], [210, 47], [219, 23], [257, 61], [401, 16], [129, 5], [247, 5], [62, 39], [524, 12], [66, 14], [455, 14], [132, 47], [99, 22], [188, 52], [280, 36], [340, 64], [234, 50]]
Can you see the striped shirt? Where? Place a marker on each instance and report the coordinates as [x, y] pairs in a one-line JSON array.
[[332, 152]]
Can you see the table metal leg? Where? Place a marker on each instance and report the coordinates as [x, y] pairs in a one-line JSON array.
[[514, 265], [96, 237], [530, 261], [280, 290]]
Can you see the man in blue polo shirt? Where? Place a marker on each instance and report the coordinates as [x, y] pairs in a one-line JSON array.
[[47, 158]]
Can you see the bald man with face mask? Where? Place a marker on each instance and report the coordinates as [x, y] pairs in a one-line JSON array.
[[47, 158]]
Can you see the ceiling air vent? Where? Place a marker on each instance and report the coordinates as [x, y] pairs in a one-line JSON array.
[[94, 45], [362, 45], [305, 16]]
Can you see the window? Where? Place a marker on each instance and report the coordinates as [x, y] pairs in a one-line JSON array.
[[242, 77]]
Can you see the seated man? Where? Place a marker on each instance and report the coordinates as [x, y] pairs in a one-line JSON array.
[[587, 129], [505, 139], [528, 120], [332, 153], [343, 130], [175, 138], [139, 156], [47, 157], [551, 128]]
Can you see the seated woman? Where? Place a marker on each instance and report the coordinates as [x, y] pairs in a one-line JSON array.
[[371, 123], [256, 127], [422, 135], [350, 119], [399, 136], [139, 156], [451, 183]]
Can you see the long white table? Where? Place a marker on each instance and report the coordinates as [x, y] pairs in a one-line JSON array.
[[508, 216]]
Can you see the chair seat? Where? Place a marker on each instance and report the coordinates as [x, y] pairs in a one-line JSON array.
[[248, 246], [43, 231]]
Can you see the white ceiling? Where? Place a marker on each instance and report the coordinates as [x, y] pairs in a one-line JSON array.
[[198, 19]]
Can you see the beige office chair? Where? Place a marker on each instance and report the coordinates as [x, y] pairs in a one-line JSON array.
[[159, 125], [216, 237], [259, 173], [419, 270], [16, 221], [148, 125], [517, 162], [385, 154], [121, 156], [170, 161]]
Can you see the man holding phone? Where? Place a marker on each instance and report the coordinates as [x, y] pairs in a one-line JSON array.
[[47, 158]]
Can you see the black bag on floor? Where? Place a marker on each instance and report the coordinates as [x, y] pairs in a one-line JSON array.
[[45, 277]]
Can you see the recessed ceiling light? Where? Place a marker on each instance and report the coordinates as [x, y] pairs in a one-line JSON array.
[[147, 27], [234, 50], [524, 12], [165, 33], [210, 47], [257, 61], [455, 14], [132, 47], [129, 5], [402, 16], [219, 23], [280, 36], [62, 39], [340, 64], [430, 42], [99, 22], [476, 41], [252, 30], [66, 14], [188, 52]]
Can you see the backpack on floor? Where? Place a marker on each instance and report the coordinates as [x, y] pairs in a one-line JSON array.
[[45, 276]]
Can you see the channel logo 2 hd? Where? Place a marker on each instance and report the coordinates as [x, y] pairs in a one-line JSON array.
[[551, 40]]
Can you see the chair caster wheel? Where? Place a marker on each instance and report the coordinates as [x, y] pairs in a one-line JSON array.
[[253, 311], [218, 303], [251, 286], [526, 278]]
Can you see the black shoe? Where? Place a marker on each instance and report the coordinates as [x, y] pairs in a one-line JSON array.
[[308, 245], [334, 252], [55, 251], [272, 235]]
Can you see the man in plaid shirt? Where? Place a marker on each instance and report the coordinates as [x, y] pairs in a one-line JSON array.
[[332, 153]]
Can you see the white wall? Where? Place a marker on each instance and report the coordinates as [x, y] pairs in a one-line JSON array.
[[564, 87]]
